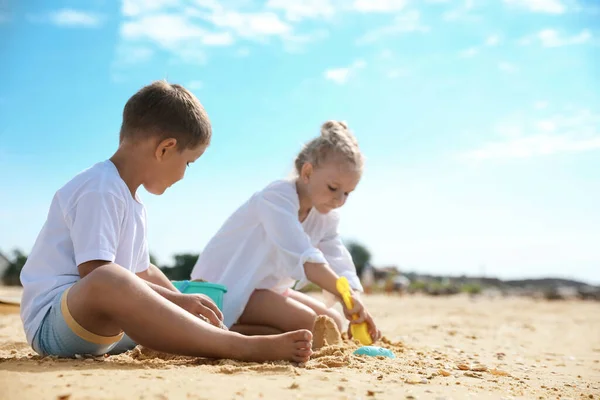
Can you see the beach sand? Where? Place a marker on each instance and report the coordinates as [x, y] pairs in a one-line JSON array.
[[446, 348]]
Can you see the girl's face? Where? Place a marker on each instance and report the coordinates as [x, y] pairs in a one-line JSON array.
[[329, 185]]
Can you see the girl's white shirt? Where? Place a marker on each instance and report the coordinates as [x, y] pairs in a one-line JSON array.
[[263, 245]]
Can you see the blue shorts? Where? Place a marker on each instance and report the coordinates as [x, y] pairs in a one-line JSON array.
[[60, 335]]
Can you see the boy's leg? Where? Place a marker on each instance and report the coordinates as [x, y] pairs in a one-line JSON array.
[[268, 309], [111, 299], [125, 344], [317, 306]]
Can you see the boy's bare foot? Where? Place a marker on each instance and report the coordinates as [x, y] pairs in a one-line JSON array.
[[291, 346]]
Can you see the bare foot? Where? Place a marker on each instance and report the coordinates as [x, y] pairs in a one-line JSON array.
[[291, 346]]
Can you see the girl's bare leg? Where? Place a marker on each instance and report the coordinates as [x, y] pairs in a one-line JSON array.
[[267, 308], [318, 307]]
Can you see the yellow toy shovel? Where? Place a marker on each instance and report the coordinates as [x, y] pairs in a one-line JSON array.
[[359, 331]]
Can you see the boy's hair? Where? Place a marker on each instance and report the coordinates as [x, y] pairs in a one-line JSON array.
[[335, 140], [166, 110]]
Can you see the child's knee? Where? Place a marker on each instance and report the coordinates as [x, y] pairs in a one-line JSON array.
[[107, 278], [305, 319]]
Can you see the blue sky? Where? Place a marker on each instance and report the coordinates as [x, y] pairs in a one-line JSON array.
[[480, 120]]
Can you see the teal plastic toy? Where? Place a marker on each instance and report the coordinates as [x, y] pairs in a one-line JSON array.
[[212, 290], [374, 351]]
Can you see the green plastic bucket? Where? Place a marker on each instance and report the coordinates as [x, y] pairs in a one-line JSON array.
[[212, 290]]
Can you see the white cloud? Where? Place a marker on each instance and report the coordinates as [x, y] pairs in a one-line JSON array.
[[540, 105], [546, 125], [171, 31], [69, 18], [535, 145], [128, 55], [243, 52], [342, 75], [382, 6], [396, 73], [175, 34], [298, 10], [187, 29], [507, 67], [250, 25], [509, 129], [468, 53], [218, 39], [577, 132], [195, 85], [539, 6], [492, 40], [134, 8], [338, 75], [293, 43], [461, 13], [403, 23], [386, 54], [552, 38]]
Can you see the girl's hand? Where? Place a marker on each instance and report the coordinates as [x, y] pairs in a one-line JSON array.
[[363, 316]]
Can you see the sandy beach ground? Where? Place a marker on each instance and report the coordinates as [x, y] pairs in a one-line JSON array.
[[446, 348]]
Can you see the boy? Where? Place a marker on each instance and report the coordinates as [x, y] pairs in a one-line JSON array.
[[88, 280]]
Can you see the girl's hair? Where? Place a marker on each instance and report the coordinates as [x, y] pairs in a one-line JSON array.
[[336, 140]]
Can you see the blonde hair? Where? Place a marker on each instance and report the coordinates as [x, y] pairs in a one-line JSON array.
[[335, 140]]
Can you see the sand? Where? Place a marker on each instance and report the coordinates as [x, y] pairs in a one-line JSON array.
[[326, 333], [446, 348]]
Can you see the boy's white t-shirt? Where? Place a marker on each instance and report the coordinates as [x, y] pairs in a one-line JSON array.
[[92, 217], [263, 245]]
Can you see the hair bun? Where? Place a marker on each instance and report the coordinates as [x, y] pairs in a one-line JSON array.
[[332, 127]]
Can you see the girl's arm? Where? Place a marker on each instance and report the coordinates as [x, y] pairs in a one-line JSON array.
[[340, 260], [337, 255], [323, 276], [278, 213]]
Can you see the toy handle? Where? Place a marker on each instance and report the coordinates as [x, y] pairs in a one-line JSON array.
[[343, 287], [359, 331]]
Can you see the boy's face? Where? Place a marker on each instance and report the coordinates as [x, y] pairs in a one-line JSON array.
[[169, 165], [330, 184]]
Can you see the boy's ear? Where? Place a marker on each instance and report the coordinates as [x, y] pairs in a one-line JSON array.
[[164, 147], [306, 172]]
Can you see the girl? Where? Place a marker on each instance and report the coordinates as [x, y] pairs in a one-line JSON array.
[[285, 233]]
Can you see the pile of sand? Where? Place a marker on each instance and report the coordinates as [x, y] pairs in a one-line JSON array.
[[332, 350], [446, 348]]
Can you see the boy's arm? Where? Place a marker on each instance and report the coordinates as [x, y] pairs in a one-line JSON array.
[[158, 281]]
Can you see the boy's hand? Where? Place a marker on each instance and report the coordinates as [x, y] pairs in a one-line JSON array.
[[363, 316], [201, 306]]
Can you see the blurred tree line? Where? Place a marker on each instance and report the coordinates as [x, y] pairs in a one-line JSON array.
[[180, 269], [13, 271]]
